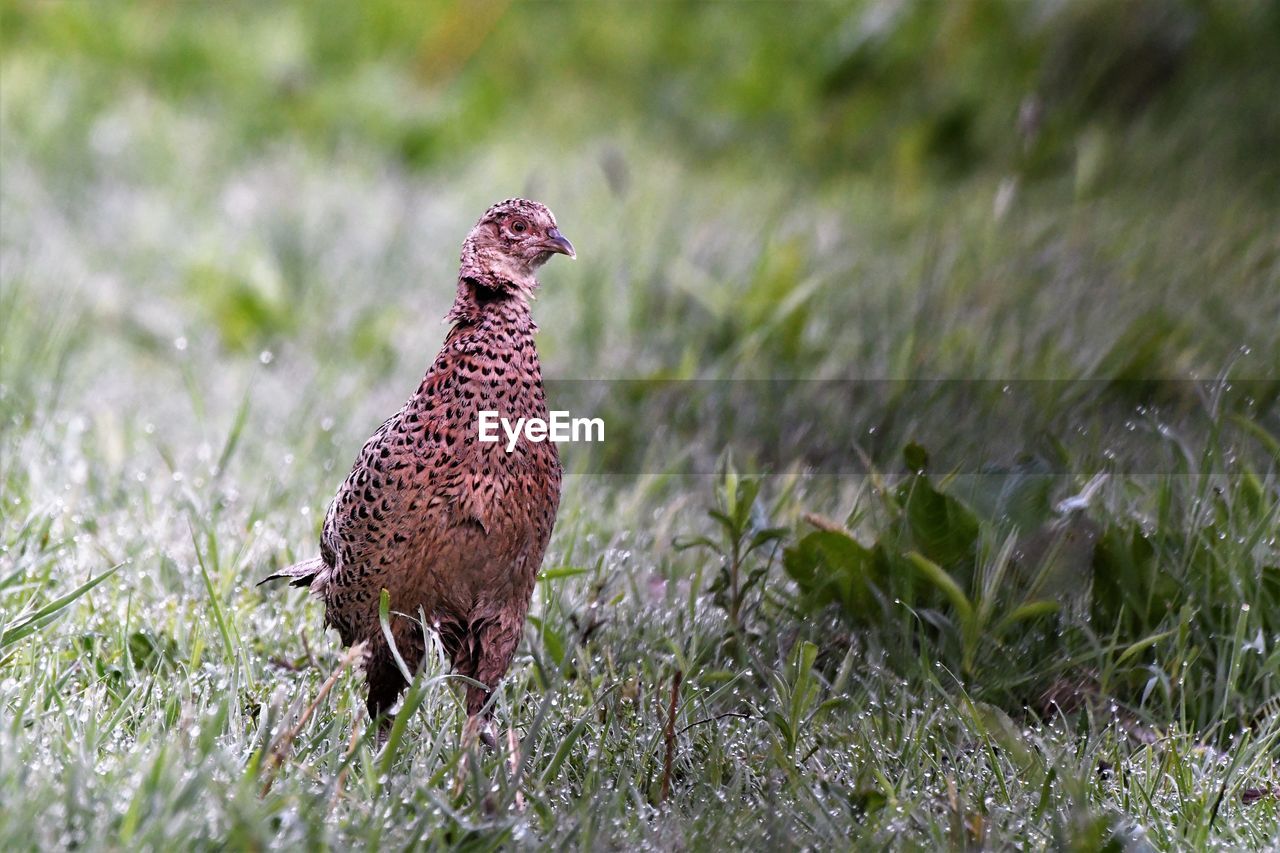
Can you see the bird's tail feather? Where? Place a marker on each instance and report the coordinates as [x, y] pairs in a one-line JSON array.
[[299, 574]]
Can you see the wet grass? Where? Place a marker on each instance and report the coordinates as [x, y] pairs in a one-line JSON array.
[[204, 312]]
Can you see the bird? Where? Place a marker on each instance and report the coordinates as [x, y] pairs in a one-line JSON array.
[[452, 528]]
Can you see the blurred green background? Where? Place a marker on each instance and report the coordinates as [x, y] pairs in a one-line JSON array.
[[228, 232], [973, 188], [900, 89]]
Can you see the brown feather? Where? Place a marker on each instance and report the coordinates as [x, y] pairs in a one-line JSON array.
[[452, 528]]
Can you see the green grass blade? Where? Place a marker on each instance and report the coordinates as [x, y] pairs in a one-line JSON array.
[[33, 622]]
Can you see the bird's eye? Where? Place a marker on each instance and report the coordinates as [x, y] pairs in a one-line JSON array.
[[519, 226]]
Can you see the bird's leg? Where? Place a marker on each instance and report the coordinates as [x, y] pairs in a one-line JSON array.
[[492, 645], [496, 644], [513, 762], [480, 727], [473, 730], [385, 722]]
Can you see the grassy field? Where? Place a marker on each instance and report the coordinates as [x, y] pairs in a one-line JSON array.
[[937, 348]]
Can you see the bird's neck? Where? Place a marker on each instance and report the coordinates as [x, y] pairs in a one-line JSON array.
[[480, 306], [486, 275]]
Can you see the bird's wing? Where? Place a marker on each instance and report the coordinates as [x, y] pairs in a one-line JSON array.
[[421, 480], [350, 518], [385, 517]]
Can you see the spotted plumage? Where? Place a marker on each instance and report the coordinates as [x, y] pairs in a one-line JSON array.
[[453, 528]]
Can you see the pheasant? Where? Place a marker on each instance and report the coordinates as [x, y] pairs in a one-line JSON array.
[[454, 529]]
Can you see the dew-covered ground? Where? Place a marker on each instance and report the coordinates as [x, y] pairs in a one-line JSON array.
[[209, 297]]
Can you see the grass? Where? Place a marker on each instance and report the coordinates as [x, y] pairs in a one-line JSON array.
[[209, 296]]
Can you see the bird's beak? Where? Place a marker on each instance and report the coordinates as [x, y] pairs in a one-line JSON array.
[[557, 242]]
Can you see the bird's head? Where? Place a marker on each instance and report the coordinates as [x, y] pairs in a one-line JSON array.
[[510, 242]]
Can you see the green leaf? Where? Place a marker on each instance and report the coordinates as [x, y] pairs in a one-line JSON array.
[[219, 617], [233, 435], [562, 572], [685, 543], [935, 574], [384, 617], [552, 641], [562, 752], [1020, 496], [32, 622], [1000, 729], [1266, 439], [780, 723], [803, 688], [1129, 588], [1144, 643], [723, 519], [1031, 610], [748, 491], [831, 567], [942, 528], [916, 457], [765, 536]]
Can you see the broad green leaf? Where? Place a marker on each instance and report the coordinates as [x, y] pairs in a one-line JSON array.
[[831, 567], [942, 528]]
